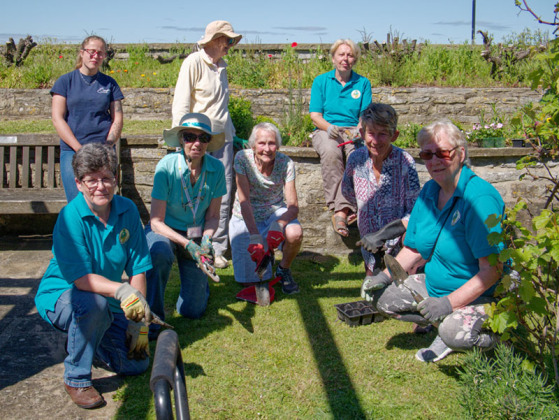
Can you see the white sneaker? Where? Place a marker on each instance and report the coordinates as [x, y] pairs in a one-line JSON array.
[[220, 262], [438, 350]]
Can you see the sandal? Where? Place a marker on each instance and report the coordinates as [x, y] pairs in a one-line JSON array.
[[339, 224], [351, 218]]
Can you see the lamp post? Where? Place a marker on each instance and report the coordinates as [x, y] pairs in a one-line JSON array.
[[473, 22]]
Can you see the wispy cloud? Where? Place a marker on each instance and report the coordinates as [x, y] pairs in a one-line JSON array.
[[302, 28], [479, 24]]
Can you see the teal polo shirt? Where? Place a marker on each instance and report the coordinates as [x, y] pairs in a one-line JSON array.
[[340, 105], [167, 186], [463, 238], [83, 245]]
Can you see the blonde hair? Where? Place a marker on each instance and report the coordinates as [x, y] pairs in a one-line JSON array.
[[354, 48], [79, 61]]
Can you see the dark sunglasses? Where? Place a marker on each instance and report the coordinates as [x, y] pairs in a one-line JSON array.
[[192, 137], [230, 41], [440, 153]]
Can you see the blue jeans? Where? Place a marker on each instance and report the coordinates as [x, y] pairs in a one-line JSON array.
[[67, 174], [194, 291], [93, 332]]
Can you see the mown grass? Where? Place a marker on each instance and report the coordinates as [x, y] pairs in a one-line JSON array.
[[45, 126], [294, 359]]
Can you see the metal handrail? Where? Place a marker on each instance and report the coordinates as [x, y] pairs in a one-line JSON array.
[[168, 372]]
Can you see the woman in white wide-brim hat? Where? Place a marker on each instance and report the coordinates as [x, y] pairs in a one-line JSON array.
[[187, 189], [202, 87]]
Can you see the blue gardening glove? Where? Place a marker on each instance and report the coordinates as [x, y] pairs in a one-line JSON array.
[[334, 131], [435, 309], [275, 236], [137, 340], [374, 241], [194, 250], [133, 303], [372, 283], [207, 247]]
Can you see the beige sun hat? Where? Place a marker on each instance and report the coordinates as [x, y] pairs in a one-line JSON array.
[[200, 122], [216, 29]]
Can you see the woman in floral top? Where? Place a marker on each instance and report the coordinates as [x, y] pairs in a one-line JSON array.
[[266, 205], [381, 180]]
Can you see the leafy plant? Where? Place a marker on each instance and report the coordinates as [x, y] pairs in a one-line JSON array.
[[505, 387], [241, 114], [408, 135]]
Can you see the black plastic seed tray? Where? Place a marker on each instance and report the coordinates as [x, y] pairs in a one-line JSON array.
[[357, 313]]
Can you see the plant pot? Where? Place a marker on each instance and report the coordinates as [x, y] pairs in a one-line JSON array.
[[493, 142], [518, 143]]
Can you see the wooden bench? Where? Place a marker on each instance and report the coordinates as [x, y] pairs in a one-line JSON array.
[[30, 174]]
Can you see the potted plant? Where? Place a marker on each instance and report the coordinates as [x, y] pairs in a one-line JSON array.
[[487, 135]]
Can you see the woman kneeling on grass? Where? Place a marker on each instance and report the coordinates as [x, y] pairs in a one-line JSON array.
[[447, 230], [265, 205], [97, 237]]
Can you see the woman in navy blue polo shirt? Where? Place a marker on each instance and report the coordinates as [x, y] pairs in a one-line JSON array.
[[86, 108]]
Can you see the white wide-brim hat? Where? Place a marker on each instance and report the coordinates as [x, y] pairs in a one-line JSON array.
[[219, 28], [199, 121]]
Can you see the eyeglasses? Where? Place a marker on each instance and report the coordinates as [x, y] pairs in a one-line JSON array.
[[192, 137], [93, 53], [230, 41], [440, 153], [94, 183]]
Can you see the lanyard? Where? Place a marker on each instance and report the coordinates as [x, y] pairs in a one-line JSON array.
[[193, 208]]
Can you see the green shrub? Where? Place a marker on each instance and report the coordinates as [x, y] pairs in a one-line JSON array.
[[505, 387], [241, 114]]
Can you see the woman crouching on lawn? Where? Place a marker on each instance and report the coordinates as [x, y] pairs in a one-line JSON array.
[[266, 205], [447, 230]]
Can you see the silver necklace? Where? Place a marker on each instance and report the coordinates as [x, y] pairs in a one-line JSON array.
[[93, 78]]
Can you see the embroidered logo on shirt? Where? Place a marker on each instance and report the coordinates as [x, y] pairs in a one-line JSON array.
[[123, 236], [355, 94], [102, 90], [455, 218]]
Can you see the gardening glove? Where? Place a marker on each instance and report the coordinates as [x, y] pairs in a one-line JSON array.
[[194, 250], [374, 241], [350, 134], [372, 283], [207, 247], [137, 340], [275, 236], [334, 131], [435, 309], [256, 248], [133, 303]]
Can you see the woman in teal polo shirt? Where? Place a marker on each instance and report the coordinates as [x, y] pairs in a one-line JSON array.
[[186, 198], [337, 100], [446, 230], [97, 237]]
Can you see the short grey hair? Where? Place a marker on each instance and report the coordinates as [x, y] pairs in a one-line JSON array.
[[354, 48], [454, 135], [266, 126], [380, 114], [94, 157]]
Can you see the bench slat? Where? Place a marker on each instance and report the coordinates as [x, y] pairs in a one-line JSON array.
[[50, 163], [13, 167], [2, 168], [25, 167], [38, 167]]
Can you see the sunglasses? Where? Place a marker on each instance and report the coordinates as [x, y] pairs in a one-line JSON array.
[[93, 53], [230, 41], [192, 137], [440, 153]]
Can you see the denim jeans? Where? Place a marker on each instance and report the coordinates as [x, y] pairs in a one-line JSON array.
[[67, 174], [195, 290], [93, 332]]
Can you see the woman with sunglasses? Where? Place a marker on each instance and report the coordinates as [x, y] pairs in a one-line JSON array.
[[97, 237], [86, 108], [447, 232], [187, 189], [202, 87]]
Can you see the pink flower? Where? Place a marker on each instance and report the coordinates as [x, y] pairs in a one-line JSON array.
[[293, 44], [269, 55]]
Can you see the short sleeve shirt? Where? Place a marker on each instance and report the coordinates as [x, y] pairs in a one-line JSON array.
[[83, 245], [266, 192], [340, 105], [88, 101], [168, 187], [463, 238]]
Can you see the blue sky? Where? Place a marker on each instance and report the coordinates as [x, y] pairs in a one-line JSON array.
[[285, 21]]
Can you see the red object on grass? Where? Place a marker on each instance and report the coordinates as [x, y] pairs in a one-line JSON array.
[[248, 294]]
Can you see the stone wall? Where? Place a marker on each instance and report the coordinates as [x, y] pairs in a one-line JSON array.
[[419, 105], [140, 154]]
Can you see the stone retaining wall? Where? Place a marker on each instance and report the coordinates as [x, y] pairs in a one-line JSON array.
[[418, 105], [140, 154]]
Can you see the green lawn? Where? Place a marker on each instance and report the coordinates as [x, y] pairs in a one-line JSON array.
[[294, 359]]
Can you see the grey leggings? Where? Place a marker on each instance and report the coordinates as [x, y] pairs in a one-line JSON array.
[[461, 330]]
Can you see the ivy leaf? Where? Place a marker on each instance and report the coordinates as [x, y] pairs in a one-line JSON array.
[[526, 291], [503, 321], [538, 305]]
